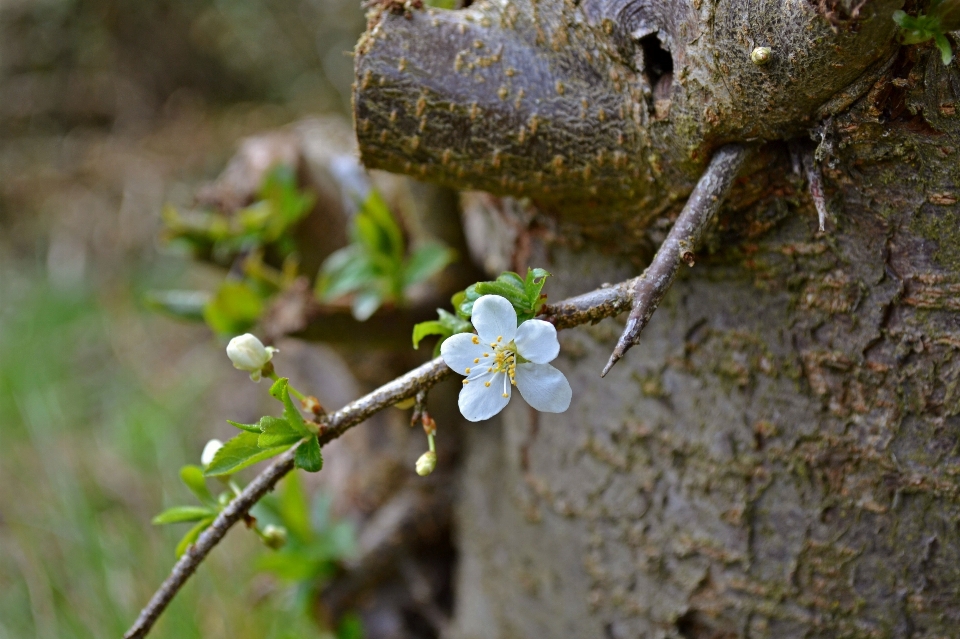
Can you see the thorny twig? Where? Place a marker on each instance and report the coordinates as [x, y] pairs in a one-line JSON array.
[[681, 244], [642, 294]]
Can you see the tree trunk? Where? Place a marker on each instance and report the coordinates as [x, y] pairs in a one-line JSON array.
[[779, 456]]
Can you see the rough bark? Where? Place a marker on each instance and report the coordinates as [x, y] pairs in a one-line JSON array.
[[778, 456], [604, 111]]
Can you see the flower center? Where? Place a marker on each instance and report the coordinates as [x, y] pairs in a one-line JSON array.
[[504, 359]]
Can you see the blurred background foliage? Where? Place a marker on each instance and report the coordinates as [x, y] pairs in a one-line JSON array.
[[109, 110]]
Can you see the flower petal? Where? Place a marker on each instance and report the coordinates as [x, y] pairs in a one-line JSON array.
[[459, 352], [537, 341], [479, 402], [493, 316], [544, 387]]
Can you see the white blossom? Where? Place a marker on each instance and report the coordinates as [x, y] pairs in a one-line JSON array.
[[210, 451], [502, 355], [249, 354]]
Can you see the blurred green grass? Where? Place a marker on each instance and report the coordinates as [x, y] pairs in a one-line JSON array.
[[91, 438]]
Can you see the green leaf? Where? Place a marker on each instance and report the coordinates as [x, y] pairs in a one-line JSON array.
[[179, 514], [432, 327], [250, 428], [186, 305], [287, 204], [946, 51], [308, 456], [376, 210], [350, 626], [346, 270], [192, 477], [238, 453], [234, 309], [448, 324], [465, 307], [277, 432], [294, 509], [192, 535], [291, 565], [276, 390], [365, 304], [280, 390], [454, 323], [513, 295], [533, 287], [511, 279], [425, 262], [457, 300]]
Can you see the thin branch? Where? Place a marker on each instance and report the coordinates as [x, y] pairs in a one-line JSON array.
[[187, 564], [681, 244], [642, 293], [337, 424]]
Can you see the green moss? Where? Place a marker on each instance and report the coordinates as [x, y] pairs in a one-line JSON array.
[[943, 227]]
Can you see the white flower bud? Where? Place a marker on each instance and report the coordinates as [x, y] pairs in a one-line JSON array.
[[249, 354], [210, 451], [426, 463], [274, 536]]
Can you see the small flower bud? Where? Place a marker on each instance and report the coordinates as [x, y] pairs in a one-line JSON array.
[[426, 463], [761, 56], [210, 451], [274, 536], [249, 354]]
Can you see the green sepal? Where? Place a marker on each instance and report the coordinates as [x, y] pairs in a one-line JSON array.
[[192, 536], [238, 453], [308, 456], [277, 432], [192, 477], [179, 514], [250, 428]]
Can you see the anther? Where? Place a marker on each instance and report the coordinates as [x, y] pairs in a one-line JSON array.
[[476, 340]]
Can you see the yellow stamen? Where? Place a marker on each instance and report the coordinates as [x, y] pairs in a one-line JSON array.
[[506, 395], [466, 382], [476, 340], [499, 338], [487, 384], [468, 371], [486, 354], [476, 360]]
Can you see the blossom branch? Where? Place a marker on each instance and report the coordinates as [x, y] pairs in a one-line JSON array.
[[336, 425], [642, 294], [681, 244]]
